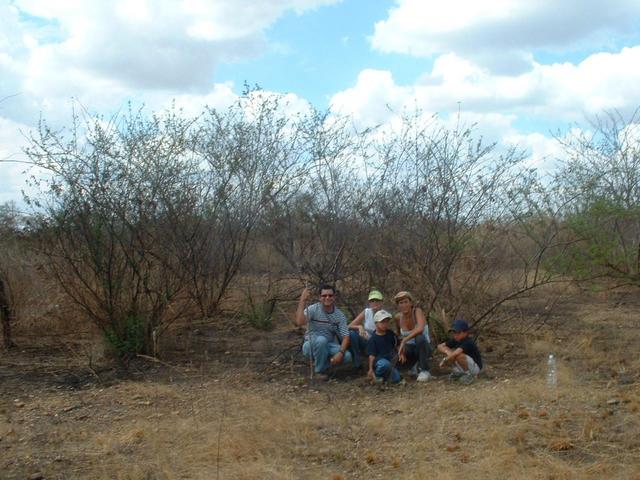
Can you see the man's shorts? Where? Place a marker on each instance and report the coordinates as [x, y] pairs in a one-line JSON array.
[[474, 369]]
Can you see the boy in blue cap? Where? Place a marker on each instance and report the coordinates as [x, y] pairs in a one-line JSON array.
[[461, 352]]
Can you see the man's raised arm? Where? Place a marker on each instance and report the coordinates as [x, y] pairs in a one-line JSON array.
[[300, 319]]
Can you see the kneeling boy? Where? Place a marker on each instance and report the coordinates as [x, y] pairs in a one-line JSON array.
[[381, 349], [461, 353]]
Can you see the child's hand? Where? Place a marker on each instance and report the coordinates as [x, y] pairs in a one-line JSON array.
[[363, 333], [370, 374], [402, 357]]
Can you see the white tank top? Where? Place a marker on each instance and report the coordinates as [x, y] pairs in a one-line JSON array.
[[369, 324], [425, 332]]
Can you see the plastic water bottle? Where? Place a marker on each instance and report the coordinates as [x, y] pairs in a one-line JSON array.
[[552, 375]]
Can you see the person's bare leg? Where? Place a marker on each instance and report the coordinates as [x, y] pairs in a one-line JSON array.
[[461, 360]]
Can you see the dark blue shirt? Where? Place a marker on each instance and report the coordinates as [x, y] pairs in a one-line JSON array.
[[382, 346]]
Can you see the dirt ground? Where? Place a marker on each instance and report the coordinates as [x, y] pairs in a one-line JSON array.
[[236, 403]]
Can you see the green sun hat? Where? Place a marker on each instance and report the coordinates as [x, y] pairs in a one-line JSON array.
[[375, 295]]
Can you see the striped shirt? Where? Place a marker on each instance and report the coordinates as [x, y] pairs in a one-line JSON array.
[[332, 325]]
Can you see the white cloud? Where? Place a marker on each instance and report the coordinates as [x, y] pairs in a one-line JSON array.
[[556, 95], [220, 97], [558, 92], [151, 50], [543, 151], [170, 45], [373, 100], [495, 30], [102, 54]]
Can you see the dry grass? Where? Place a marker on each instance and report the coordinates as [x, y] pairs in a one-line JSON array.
[[199, 423], [511, 428]]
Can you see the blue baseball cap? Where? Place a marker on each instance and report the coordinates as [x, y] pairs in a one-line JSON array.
[[459, 325]]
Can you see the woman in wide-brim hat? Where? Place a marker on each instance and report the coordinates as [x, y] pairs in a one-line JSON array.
[[415, 344]]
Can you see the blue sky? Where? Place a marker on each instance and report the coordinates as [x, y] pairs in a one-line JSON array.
[[319, 53], [519, 69]]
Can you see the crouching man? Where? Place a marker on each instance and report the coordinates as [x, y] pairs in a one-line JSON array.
[[327, 337], [461, 353]]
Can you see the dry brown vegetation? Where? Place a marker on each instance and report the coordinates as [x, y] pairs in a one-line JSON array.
[[225, 408]]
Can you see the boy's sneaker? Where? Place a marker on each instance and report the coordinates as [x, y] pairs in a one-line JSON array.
[[454, 376], [321, 377], [423, 376], [413, 371], [466, 379], [378, 380]]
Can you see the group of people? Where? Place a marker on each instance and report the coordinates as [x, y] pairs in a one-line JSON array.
[[371, 341]]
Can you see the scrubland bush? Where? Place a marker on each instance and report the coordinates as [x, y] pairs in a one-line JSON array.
[[599, 187], [144, 221]]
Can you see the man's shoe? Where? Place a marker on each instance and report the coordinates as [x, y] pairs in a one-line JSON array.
[[423, 376], [467, 379]]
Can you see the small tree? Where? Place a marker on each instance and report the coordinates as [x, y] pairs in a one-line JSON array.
[[147, 220], [443, 190], [250, 162], [599, 186], [107, 196], [315, 227], [448, 217]]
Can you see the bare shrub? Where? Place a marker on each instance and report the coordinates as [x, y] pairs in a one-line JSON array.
[[107, 209], [444, 204], [250, 161], [147, 220], [599, 187], [316, 228]]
